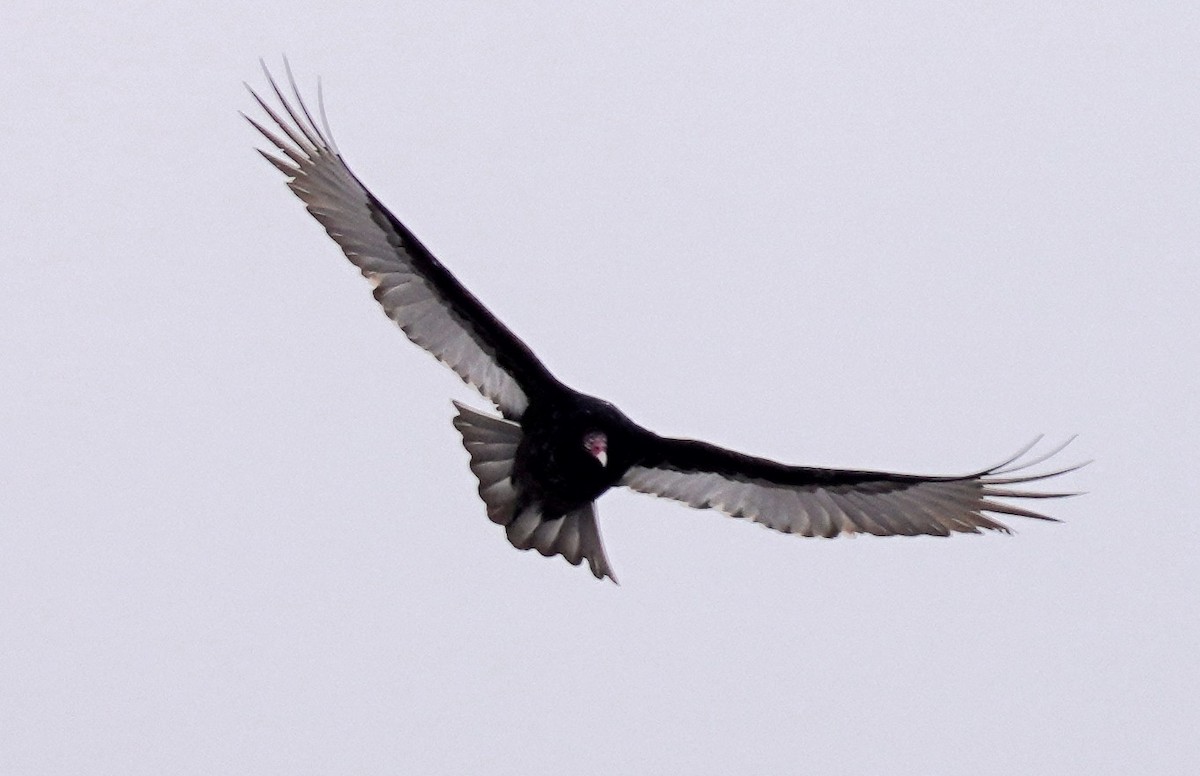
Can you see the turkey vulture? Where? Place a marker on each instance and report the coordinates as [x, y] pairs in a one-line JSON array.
[[544, 462]]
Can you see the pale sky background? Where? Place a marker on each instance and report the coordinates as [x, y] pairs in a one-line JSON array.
[[238, 534]]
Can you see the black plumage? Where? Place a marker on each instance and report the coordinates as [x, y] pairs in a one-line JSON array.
[[554, 451]]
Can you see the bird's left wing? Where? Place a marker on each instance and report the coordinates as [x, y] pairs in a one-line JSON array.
[[414, 289], [829, 502]]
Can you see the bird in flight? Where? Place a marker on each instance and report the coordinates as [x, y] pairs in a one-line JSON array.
[[553, 451]]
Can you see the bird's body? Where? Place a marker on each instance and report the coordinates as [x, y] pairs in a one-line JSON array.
[[553, 468], [554, 451]]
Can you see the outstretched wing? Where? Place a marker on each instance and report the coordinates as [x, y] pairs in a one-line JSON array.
[[829, 502], [415, 290]]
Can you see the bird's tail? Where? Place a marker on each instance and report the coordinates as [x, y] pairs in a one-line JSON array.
[[492, 445]]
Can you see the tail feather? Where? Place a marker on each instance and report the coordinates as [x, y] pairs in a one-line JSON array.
[[492, 445]]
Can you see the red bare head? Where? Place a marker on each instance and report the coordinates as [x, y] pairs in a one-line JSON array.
[[596, 443]]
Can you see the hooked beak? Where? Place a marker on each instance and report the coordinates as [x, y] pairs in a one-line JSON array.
[[602, 457]]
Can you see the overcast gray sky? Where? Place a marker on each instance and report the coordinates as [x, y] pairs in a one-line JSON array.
[[238, 534]]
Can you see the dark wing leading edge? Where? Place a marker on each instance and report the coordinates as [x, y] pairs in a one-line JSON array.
[[415, 290], [829, 502]]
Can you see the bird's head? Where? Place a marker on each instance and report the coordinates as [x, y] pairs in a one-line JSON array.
[[596, 444]]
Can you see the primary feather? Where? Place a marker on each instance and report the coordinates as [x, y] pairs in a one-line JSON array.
[[414, 289]]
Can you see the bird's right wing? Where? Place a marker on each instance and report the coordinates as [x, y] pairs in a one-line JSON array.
[[414, 289], [828, 502]]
